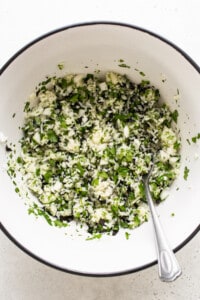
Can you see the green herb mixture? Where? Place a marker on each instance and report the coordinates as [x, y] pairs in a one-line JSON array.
[[87, 142]]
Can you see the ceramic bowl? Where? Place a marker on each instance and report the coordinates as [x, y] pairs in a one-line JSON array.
[[86, 48]]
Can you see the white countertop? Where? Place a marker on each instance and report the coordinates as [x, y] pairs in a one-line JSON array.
[[22, 277]]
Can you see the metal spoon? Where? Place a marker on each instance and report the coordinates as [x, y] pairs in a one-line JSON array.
[[168, 266]]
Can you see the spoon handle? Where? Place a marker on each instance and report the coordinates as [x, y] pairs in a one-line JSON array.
[[168, 265]]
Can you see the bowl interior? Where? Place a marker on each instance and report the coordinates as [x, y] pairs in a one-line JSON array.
[[89, 48]]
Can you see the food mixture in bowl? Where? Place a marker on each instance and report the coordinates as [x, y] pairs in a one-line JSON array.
[[87, 142]]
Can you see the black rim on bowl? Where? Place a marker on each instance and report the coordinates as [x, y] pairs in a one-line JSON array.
[[186, 56]]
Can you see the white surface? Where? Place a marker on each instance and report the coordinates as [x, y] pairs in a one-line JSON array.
[[20, 22]]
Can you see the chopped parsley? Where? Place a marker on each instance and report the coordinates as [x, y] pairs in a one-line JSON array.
[[186, 173], [27, 106], [17, 190], [123, 65], [127, 235], [8, 149], [195, 138], [59, 223], [188, 141], [142, 73], [37, 211], [60, 66], [174, 115], [94, 236]]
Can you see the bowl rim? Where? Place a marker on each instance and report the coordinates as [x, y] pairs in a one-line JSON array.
[[44, 36]]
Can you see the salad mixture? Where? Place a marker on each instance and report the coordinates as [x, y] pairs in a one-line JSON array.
[[88, 141]]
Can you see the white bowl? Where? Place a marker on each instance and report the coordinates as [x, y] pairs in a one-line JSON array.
[[101, 46]]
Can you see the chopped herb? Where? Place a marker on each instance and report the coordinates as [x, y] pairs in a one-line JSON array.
[[103, 175], [123, 65], [137, 220], [8, 149], [177, 145], [80, 168], [195, 138], [122, 171], [62, 82], [94, 236], [27, 106], [186, 173], [60, 66], [127, 235], [95, 182], [52, 136], [46, 217], [145, 83], [31, 210], [47, 176], [172, 214], [74, 98], [142, 73], [60, 224], [188, 141], [174, 115], [17, 190], [13, 115], [40, 212], [19, 160], [37, 172]]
